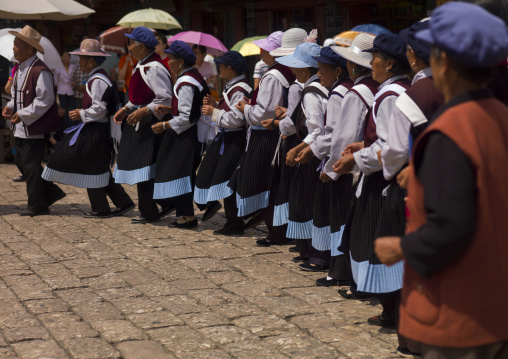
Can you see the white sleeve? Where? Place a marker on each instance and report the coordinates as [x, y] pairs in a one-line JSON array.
[[269, 96], [233, 118], [97, 111], [45, 98], [181, 122], [158, 81], [315, 107], [395, 153]]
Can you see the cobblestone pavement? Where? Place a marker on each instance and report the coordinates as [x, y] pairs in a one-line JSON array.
[[72, 287]]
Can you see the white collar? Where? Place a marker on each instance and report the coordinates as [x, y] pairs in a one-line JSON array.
[[27, 62], [426, 72], [391, 80]]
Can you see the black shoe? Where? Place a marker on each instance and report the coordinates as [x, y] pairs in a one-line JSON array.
[[255, 220], [121, 210], [265, 242], [211, 211], [98, 215], [20, 178], [293, 249], [381, 322], [228, 232], [187, 224], [143, 220], [166, 211], [60, 195], [348, 294], [300, 259], [29, 213], [324, 282], [308, 267], [406, 353]]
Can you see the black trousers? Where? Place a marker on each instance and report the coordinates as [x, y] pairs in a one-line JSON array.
[[233, 222], [40, 192], [99, 196]]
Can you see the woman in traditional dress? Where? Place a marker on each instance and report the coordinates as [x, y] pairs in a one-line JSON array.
[[224, 153], [83, 157], [179, 154], [150, 85]]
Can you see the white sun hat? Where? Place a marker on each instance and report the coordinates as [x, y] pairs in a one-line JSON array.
[[354, 52], [290, 40]]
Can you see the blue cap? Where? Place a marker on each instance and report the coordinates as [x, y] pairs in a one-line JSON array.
[[235, 60], [467, 33], [420, 48], [328, 56], [391, 45], [302, 57], [143, 35], [182, 50]]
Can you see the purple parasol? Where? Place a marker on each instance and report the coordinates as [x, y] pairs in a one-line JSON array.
[[215, 47]]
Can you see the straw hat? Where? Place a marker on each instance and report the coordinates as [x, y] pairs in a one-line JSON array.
[[290, 40], [90, 47], [30, 36], [354, 52]]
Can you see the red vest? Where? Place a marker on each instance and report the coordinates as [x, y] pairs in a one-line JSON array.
[[140, 93], [48, 122], [288, 75], [222, 103], [108, 96], [464, 304], [369, 131]]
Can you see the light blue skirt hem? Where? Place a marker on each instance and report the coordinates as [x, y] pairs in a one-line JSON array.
[[251, 204], [281, 214], [134, 176], [172, 189], [377, 278], [336, 241], [219, 191], [321, 238], [297, 230], [76, 179]]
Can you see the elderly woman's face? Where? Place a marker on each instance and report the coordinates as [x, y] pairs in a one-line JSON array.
[[175, 65], [380, 70], [328, 74], [136, 49]]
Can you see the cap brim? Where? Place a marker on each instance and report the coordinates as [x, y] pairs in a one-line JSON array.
[[130, 36], [82, 53], [263, 44], [324, 60], [425, 35], [291, 61], [349, 55], [283, 51]]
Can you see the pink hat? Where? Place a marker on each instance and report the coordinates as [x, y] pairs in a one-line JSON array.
[[90, 47], [272, 42]]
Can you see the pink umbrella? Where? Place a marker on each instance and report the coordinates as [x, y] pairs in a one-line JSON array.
[[215, 47]]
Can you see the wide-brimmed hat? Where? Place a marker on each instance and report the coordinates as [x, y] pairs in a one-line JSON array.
[[30, 36], [90, 47], [354, 52], [271, 42], [303, 56], [290, 40]]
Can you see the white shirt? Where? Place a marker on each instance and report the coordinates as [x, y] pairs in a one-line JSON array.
[[314, 106], [98, 110], [63, 81], [44, 99], [260, 69], [185, 94], [234, 118], [286, 125]]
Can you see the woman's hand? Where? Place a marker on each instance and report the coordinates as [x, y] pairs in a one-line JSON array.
[[352, 148], [305, 155], [207, 110], [161, 110], [324, 177], [120, 115], [74, 115], [388, 250], [159, 127], [210, 101], [403, 178], [270, 124], [137, 116], [241, 106], [280, 111], [290, 157], [344, 165]]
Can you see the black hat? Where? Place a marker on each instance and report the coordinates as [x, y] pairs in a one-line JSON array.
[[182, 50], [420, 47], [391, 45], [235, 60], [328, 56]]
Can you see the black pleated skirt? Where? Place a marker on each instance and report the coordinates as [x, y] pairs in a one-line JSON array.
[[392, 221], [281, 210], [137, 152], [216, 169], [301, 199], [86, 163], [176, 164], [253, 179]]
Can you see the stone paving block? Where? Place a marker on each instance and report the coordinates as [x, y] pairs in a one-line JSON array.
[[197, 283], [39, 349], [171, 270], [209, 297], [99, 251], [63, 251], [9, 261], [50, 270], [94, 312], [205, 264], [219, 278], [181, 252], [220, 250], [205, 354], [6, 294], [284, 306], [143, 350], [28, 287], [152, 320], [236, 310], [105, 281], [180, 304], [63, 282], [249, 288], [204, 319], [27, 329], [298, 345], [181, 339], [138, 276], [265, 325], [137, 305], [158, 288], [115, 293], [115, 331], [226, 334], [313, 321], [67, 326], [3, 342], [249, 349], [40, 306], [79, 296], [30, 252], [7, 353], [92, 348], [315, 295]]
